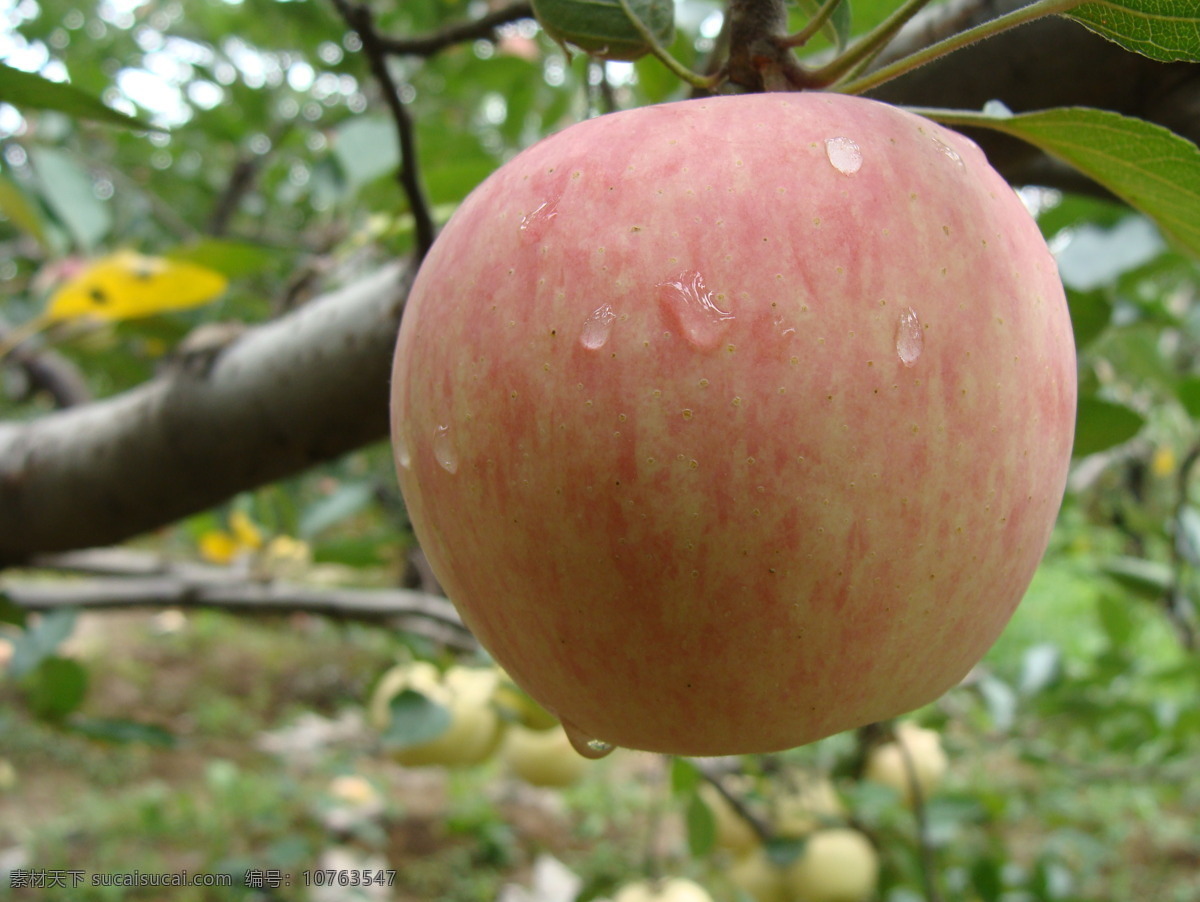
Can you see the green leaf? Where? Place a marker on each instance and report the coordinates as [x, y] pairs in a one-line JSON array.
[[1149, 579], [1151, 168], [685, 776], [56, 687], [1116, 619], [701, 827], [837, 27], [234, 259], [1164, 30], [1041, 666], [27, 91], [346, 501], [601, 27], [109, 729], [16, 206], [67, 188], [1101, 424], [415, 719], [1091, 312], [1188, 393], [11, 613], [39, 641], [783, 850]]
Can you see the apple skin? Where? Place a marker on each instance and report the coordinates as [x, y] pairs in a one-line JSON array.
[[719, 449]]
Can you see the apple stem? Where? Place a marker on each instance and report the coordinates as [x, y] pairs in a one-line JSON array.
[[838, 69]]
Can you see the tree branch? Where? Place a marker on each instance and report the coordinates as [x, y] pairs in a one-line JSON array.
[[287, 395], [1052, 62], [483, 28], [359, 18]]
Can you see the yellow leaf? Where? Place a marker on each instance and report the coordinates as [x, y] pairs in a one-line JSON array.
[[127, 285], [245, 532], [217, 547]]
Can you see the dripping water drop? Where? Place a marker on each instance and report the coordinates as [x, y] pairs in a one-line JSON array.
[[585, 745]]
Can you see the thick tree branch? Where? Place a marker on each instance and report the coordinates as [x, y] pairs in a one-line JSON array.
[[313, 385], [1052, 62], [287, 395]]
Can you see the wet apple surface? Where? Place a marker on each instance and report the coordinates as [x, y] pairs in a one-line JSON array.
[[729, 424]]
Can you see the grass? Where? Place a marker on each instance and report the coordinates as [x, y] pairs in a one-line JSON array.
[[1067, 801]]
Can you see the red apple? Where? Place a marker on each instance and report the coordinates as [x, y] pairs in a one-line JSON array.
[[733, 423]]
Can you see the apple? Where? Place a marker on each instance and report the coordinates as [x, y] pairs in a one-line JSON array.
[[733, 423], [542, 757], [811, 803], [758, 877], [733, 832], [475, 728], [886, 763], [837, 865], [669, 889]]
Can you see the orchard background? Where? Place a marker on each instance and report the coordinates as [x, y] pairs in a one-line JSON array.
[[208, 568]]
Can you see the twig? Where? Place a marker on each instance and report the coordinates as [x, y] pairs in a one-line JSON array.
[[760, 827], [1177, 605], [50, 372], [193, 586], [483, 28], [359, 17], [924, 843]]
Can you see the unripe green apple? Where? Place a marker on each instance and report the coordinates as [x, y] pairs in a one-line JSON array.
[[809, 804], [733, 832], [758, 877], [837, 865], [886, 763], [670, 889], [733, 423], [542, 757], [475, 729]]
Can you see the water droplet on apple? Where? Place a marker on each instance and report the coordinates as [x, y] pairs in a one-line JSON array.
[[597, 327], [949, 151], [535, 223], [910, 339], [586, 745], [844, 154], [444, 450], [696, 309], [403, 455]]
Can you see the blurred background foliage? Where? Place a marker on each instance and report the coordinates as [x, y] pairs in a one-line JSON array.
[[153, 742]]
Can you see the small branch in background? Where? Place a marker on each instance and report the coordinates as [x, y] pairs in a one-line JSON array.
[[925, 850], [358, 17], [241, 182], [760, 827], [1177, 604], [48, 371], [123, 579], [481, 29]]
